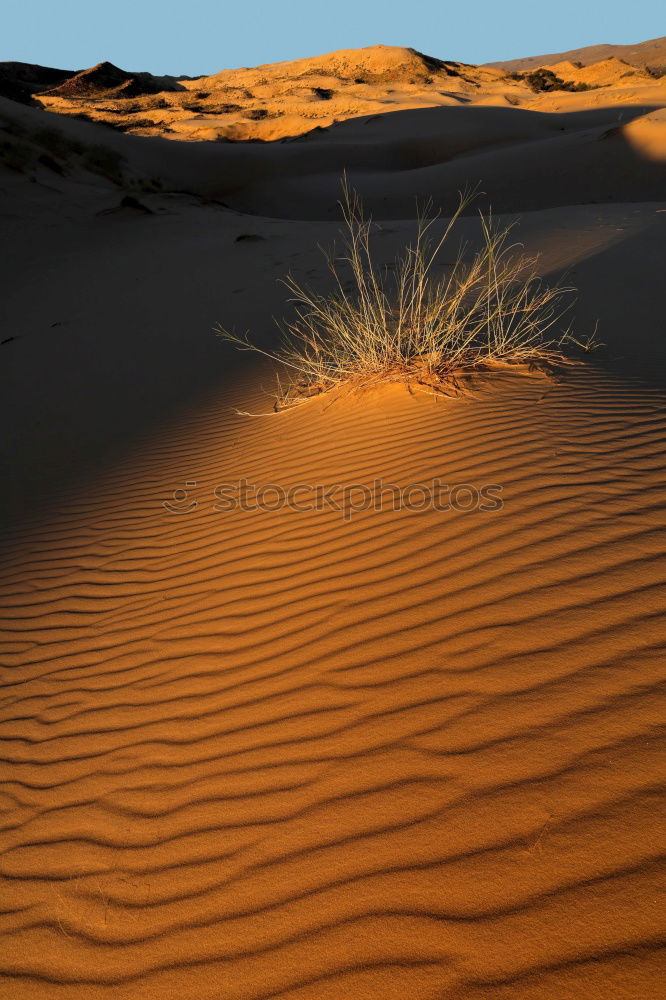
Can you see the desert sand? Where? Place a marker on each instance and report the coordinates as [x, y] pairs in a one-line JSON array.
[[320, 754]]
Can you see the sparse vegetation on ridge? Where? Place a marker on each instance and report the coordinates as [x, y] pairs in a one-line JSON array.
[[544, 80], [417, 322]]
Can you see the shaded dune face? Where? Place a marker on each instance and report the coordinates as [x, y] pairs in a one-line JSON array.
[[406, 754], [521, 160]]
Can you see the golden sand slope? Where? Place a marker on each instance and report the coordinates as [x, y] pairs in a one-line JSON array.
[[252, 755]]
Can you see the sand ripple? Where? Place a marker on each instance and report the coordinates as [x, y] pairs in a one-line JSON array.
[[412, 754]]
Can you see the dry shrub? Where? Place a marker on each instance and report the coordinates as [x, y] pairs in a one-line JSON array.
[[417, 322]]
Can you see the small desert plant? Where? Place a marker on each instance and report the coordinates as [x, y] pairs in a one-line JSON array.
[[416, 322]]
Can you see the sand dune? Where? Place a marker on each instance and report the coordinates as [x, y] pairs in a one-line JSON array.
[[326, 753], [523, 160], [649, 53], [292, 755]]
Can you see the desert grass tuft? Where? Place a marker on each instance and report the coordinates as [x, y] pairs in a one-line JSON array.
[[427, 325]]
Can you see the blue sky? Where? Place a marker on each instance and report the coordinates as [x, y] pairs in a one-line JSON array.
[[203, 36]]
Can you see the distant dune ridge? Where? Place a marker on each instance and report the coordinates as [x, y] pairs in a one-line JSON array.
[[326, 751], [650, 53]]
